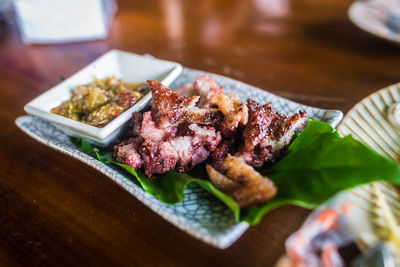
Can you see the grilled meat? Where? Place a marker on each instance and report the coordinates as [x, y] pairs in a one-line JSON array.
[[201, 123], [240, 181]]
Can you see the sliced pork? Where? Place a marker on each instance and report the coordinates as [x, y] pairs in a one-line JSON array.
[[240, 181], [197, 124]]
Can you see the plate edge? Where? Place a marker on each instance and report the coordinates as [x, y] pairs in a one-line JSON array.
[[221, 242]]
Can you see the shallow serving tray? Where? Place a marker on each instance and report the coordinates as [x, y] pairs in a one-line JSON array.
[[200, 214], [127, 66]]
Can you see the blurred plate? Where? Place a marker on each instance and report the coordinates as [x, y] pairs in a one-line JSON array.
[[367, 16]]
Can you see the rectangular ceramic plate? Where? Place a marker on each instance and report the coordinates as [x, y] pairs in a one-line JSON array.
[[200, 214], [126, 66]]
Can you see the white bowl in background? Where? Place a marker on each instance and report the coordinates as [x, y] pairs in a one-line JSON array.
[[126, 66]]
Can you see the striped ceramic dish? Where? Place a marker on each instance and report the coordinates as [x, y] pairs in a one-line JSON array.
[[379, 203]]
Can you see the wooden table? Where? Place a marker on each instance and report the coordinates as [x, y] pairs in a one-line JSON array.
[[54, 209]]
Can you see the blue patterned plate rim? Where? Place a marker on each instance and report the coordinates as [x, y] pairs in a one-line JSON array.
[[200, 214]]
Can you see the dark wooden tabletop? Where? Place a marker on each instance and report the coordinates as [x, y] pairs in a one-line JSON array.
[[54, 209]]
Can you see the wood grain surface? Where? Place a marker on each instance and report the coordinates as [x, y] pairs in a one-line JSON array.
[[55, 210]]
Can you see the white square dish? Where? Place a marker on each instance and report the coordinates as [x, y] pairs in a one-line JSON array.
[[126, 66]]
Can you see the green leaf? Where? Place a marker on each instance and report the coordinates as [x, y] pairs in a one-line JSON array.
[[102, 154], [168, 187], [86, 147], [319, 164]]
